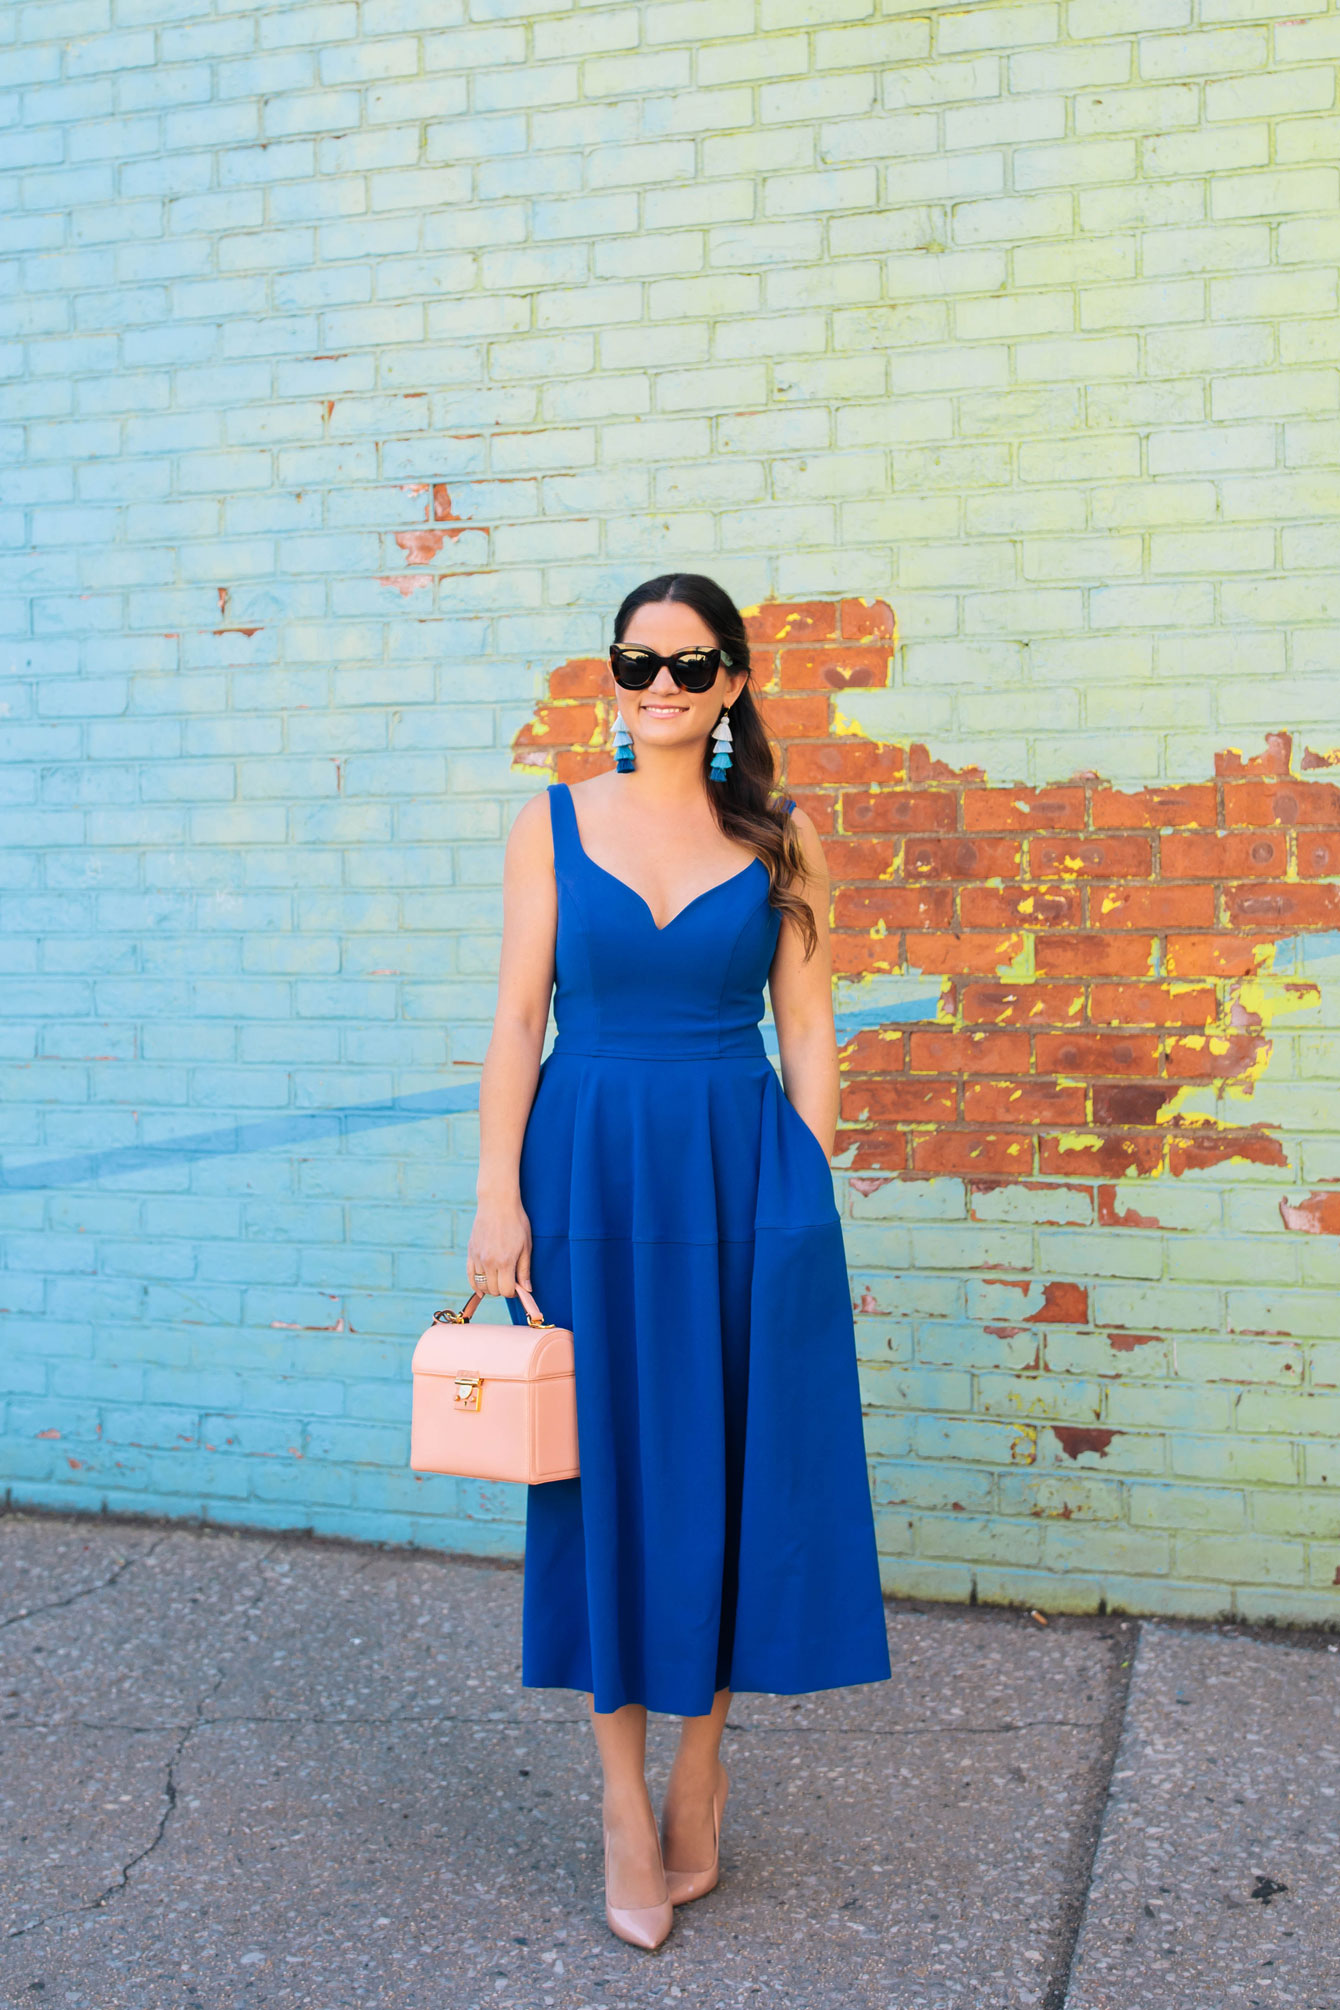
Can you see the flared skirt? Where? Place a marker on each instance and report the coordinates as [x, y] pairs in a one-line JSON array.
[[721, 1533]]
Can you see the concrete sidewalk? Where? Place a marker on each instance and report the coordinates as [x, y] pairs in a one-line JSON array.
[[244, 1771]]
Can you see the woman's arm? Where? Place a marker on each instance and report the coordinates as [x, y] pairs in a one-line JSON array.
[[500, 1239], [802, 1000]]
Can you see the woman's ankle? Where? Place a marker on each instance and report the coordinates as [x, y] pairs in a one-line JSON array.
[[624, 1806], [694, 1775]]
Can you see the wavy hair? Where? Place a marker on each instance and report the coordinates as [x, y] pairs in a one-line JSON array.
[[747, 803]]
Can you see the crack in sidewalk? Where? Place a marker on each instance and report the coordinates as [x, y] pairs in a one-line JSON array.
[[124, 1564], [494, 1723], [169, 1789]]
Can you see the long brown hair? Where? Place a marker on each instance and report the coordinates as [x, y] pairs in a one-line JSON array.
[[747, 804]]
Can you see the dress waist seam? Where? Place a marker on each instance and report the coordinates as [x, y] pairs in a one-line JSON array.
[[755, 1055]]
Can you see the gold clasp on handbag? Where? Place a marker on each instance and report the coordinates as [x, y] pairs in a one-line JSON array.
[[468, 1389]]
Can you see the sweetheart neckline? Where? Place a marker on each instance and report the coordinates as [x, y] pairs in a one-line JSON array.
[[641, 898]]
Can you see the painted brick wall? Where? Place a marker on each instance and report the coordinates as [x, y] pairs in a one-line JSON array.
[[355, 361]]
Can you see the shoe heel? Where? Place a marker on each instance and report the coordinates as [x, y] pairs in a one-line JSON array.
[[684, 1886], [643, 1926]]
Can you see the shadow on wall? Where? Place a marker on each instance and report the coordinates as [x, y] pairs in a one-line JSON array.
[[1105, 956]]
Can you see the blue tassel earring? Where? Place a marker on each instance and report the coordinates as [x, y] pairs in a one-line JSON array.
[[721, 759], [625, 760]]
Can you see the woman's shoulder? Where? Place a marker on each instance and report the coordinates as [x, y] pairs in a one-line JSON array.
[[811, 840], [531, 833]]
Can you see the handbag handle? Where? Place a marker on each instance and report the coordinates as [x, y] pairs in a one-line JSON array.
[[534, 1316]]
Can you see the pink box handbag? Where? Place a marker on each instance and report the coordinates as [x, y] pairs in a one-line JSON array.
[[494, 1402]]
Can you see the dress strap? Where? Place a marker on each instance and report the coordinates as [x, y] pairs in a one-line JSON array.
[[563, 824]]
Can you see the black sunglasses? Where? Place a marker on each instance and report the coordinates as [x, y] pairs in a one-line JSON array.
[[692, 669]]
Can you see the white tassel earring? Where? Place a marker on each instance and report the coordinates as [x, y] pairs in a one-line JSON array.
[[625, 760], [721, 759]]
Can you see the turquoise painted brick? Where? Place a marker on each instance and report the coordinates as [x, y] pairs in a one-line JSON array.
[[978, 1538], [1044, 1398], [1062, 1496], [902, 1483], [1239, 1559], [996, 1444], [971, 1346]]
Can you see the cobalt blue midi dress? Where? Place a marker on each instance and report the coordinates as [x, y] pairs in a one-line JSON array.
[[684, 1225]]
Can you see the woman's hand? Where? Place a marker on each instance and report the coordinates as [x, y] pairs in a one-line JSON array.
[[499, 1246]]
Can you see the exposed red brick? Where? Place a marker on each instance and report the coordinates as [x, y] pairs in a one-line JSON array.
[[1112, 1216], [1023, 809], [1264, 805], [833, 763], [765, 677], [1210, 1057], [898, 1099], [1223, 854], [1110, 1156], [962, 955], [853, 859], [922, 767], [1126, 1343], [884, 1150], [1214, 955], [1093, 955], [1117, 1103], [1283, 908], [1145, 918], [1030, 1101], [1152, 1005], [800, 716], [1318, 856], [1276, 760], [579, 720], [1076, 1439], [1090, 858], [949, 1151], [960, 858], [1319, 1214], [1154, 809], [868, 621], [1192, 1151], [898, 810], [1021, 906], [1021, 1004], [818, 806], [1097, 1053], [857, 955], [584, 677], [837, 667], [945, 1053], [1062, 1305], [574, 765], [792, 621], [1156, 907], [895, 906], [422, 546], [874, 1050]]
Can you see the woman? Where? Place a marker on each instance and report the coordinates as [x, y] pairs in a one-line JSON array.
[[656, 1190]]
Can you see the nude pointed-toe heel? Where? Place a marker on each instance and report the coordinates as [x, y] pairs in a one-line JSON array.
[[640, 1925], [684, 1885]]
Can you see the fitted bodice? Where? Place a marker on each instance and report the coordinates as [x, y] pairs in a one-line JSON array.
[[623, 986]]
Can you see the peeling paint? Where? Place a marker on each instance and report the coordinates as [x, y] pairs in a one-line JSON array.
[[1100, 962]]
